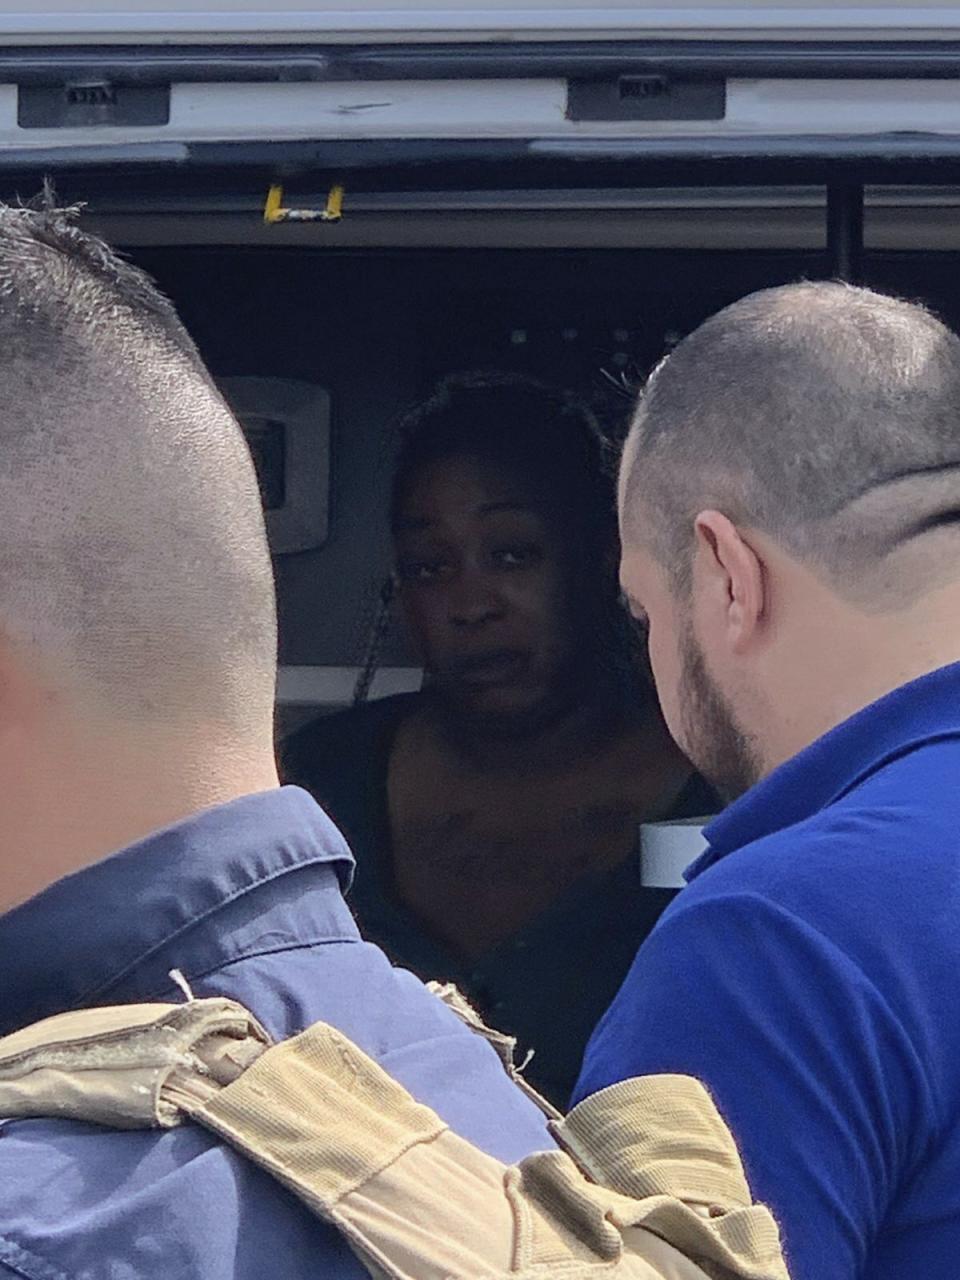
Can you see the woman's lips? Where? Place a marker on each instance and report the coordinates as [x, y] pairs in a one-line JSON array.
[[483, 670]]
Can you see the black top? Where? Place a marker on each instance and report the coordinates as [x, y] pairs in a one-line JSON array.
[[549, 984]]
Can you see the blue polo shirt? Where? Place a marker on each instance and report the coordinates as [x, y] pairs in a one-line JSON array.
[[246, 901], [810, 975]]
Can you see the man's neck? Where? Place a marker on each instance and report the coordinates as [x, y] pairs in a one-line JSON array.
[[74, 809], [878, 654]]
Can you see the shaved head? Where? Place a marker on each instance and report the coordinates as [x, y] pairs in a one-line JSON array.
[[132, 556], [826, 416]]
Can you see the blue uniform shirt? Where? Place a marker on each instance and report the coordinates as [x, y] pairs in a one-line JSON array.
[[810, 975], [246, 901]]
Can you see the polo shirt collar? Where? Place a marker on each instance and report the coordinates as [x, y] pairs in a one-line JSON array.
[[925, 710], [196, 895]]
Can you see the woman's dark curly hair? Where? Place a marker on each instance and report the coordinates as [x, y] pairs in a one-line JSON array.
[[547, 437]]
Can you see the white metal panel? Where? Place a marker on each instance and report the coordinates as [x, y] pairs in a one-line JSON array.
[[374, 109], [537, 108], [504, 109], [841, 106], [52, 21]]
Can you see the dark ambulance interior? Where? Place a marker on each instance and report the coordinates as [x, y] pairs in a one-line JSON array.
[[375, 327]]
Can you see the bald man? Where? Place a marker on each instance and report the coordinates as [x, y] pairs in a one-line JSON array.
[[141, 825], [790, 511]]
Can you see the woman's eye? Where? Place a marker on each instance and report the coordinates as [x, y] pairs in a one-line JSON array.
[[516, 557], [420, 570]]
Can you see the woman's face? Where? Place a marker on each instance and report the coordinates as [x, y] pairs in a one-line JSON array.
[[486, 585]]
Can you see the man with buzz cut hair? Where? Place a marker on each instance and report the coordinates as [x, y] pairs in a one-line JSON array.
[[790, 512], [142, 828]]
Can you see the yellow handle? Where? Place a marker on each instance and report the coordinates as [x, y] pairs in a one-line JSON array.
[[274, 211]]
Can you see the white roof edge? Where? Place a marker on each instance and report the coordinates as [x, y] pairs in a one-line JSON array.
[[57, 22]]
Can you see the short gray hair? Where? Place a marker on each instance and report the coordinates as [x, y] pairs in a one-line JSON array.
[[824, 415], [132, 544]]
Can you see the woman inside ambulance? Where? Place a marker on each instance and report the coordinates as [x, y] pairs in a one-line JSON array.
[[494, 815]]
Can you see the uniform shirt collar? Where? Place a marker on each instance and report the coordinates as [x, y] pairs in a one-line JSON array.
[[256, 874], [917, 713]]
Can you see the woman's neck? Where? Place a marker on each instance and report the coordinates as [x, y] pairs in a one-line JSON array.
[[573, 732]]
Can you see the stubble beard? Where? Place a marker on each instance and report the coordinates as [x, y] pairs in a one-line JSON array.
[[712, 737]]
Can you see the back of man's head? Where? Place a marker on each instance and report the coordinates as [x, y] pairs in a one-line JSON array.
[[824, 415], [133, 561], [790, 510]]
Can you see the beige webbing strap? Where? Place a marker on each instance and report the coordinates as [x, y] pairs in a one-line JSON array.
[[665, 1199], [415, 1201], [110, 1066], [656, 1139], [660, 1142]]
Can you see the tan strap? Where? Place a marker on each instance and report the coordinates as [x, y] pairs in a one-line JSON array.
[[659, 1195], [414, 1199], [656, 1139], [418, 1201], [111, 1066]]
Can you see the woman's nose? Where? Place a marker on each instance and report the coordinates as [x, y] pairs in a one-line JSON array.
[[473, 600]]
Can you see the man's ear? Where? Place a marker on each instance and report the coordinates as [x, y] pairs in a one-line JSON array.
[[730, 578]]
